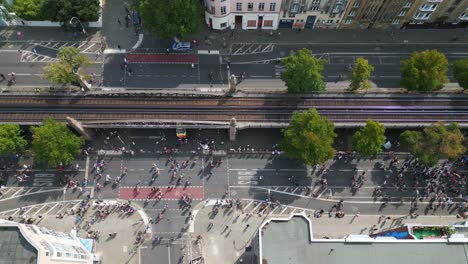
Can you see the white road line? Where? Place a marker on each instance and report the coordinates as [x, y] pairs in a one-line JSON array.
[[284, 209], [40, 209], [20, 190], [28, 191], [63, 207], [255, 208], [169, 254], [52, 208], [251, 202], [87, 168], [27, 211]]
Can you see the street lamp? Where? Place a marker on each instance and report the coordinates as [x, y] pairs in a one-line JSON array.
[[71, 23]]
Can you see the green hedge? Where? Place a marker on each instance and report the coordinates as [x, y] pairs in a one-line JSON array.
[[57, 10]]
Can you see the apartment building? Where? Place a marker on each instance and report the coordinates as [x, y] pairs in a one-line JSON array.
[[401, 13], [22, 243], [242, 14], [312, 13], [440, 12]]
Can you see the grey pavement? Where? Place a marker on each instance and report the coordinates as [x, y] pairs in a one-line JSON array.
[[114, 32]]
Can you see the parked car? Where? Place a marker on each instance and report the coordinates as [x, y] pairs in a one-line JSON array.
[[182, 46]]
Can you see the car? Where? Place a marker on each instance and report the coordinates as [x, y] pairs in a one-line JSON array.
[[181, 46]]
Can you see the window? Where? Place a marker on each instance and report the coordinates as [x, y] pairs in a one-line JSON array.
[[402, 13], [261, 6], [239, 6], [352, 13], [329, 21], [348, 21], [356, 4], [272, 6], [213, 11], [223, 0], [223, 25], [223, 10], [396, 21], [464, 16], [407, 5], [428, 7], [294, 8], [249, 6], [420, 15]]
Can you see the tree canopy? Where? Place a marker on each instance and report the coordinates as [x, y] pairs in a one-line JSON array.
[[460, 72], [309, 138], [425, 71], [361, 73], [11, 140], [369, 140], [54, 143], [303, 72], [57, 10], [439, 141], [170, 18], [67, 67]]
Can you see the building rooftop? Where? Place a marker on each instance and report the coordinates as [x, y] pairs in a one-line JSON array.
[[289, 242], [14, 248]]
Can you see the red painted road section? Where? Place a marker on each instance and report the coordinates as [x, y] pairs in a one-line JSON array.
[[162, 58], [127, 193]]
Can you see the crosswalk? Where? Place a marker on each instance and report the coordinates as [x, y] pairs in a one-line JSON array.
[[87, 47], [278, 70], [12, 192], [53, 208], [253, 207], [252, 48], [28, 56]]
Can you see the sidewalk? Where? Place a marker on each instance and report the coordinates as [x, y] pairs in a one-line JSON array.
[[220, 245]]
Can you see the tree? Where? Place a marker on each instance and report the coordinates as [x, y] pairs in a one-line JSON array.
[[361, 72], [53, 143], [460, 72], [303, 72], [170, 18], [28, 9], [309, 137], [425, 71], [67, 67], [439, 141], [369, 140], [11, 140]]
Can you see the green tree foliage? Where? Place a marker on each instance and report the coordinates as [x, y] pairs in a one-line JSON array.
[[57, 10], [361, 73], [439, 141], [369, 140], [11, 140], [460, 72], [29, 9], [425, 71], [64, 70], [53, 143], [309, 138], [170, 18], [303, 72]]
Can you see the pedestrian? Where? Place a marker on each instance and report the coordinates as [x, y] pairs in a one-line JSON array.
[[120, 23], [119, 47], [2, 76], [34, 50], [247, 226], [138, 183]]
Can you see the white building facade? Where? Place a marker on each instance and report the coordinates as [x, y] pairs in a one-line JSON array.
[[242, 14]]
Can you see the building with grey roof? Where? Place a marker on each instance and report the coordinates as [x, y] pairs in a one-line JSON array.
[[290, 241]]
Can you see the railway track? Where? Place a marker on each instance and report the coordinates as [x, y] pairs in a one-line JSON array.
[[32, 109]]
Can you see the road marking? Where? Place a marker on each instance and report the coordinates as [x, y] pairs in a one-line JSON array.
[[87, 168], [256, 207], [168, 254], [19, 190], [209, 52], [52, 208], [42, 207]]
